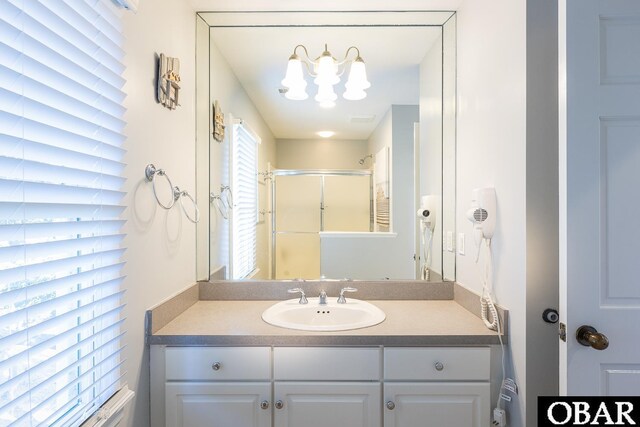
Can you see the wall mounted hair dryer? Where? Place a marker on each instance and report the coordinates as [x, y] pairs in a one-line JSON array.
[[427, 216], [483, 213], [427, 212], [483, 217]]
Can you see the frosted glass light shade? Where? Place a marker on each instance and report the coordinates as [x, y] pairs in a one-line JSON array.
[[354, 94], [358, 76], [297, 93], [294, 76], [326, 71], [326, 94]]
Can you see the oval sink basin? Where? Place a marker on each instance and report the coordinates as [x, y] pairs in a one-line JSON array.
[[355, 314]]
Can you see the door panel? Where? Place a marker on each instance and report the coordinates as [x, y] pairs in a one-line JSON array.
[[298, 203], [297, 256], [347, 203], [307, 404], [217, 404], [600, 207], [443, 405]]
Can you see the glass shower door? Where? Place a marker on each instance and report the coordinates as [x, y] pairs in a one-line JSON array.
[[298, 221], [347, 203]]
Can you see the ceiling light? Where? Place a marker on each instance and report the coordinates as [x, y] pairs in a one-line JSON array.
[[325, 133], [327, 104], [326, 71]]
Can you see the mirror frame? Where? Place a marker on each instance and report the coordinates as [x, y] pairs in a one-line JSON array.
[[247, 19]]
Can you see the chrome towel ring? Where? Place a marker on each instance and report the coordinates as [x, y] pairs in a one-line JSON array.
[[216, 200], [182, 194], [228, 199], [150, 172]]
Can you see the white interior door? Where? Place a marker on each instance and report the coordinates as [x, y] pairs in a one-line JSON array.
[[600, 193]]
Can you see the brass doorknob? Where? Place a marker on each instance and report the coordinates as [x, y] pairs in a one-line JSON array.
[[590, 337]]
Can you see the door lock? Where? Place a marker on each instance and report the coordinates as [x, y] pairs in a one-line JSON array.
[[550, 315]]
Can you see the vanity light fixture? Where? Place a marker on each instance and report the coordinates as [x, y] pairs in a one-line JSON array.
[[326, 71]]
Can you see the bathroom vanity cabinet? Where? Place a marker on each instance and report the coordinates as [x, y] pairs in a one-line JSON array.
[[321, 386]]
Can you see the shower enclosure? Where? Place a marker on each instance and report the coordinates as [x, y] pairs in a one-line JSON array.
[[305, 203]]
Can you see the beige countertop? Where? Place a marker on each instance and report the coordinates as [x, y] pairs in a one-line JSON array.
[[408, 322]]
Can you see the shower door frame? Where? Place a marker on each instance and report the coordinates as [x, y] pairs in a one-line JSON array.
[[313, 172]]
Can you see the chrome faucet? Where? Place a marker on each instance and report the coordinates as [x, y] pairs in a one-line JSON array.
[[303, 297], [322, 299], [341, 298]]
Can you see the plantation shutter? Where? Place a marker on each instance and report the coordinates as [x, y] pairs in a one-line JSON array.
[[245, 191], [61, 174]]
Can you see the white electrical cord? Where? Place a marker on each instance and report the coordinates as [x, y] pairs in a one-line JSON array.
[[426, 250], [488, 308], [486, 301]]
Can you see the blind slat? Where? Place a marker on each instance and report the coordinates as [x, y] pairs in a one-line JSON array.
[[61, 200], [41, 346], [245, 212]]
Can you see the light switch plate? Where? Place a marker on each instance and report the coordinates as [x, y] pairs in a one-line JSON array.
[[450, 241], [461, 243]]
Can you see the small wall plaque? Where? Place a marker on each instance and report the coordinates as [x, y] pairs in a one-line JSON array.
[[168, 79], [218, 122]]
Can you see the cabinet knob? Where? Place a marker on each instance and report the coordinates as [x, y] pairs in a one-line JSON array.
[[279, 404], [216, 366], [264, 404], [390, 405], [439, 366]]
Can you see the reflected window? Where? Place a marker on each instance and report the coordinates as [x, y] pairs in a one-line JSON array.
[[244, 185]]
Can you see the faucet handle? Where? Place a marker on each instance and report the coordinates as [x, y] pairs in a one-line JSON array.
[[341, 298], [303, 297]]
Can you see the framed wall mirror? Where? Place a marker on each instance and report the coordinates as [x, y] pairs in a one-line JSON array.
[[338, 156]]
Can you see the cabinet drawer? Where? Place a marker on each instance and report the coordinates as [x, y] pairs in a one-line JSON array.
[[232, 363], [436, 363], [326, 364]]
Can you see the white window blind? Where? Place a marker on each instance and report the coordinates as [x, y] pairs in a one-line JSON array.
[[244, 183], [61, 173]]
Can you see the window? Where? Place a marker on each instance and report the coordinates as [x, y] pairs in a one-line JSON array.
[[61, 136], [244, 183]]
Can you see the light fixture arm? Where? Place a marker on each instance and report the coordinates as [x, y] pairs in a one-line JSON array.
[[306, 52], [308, 61], [346, 55]]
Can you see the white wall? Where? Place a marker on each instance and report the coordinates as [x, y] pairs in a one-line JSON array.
[[491, 152], [362, 256], [403, 203], [160, 244], [233, 100], [542, 202], [431, 142], [449, 124], [382, 137], [321, 154]]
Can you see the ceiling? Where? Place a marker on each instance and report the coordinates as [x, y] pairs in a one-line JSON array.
[[258, 57], [286, 5]]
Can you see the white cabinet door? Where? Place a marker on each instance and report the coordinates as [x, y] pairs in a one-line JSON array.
[[327, 404], [436, 405], [217, 404]]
